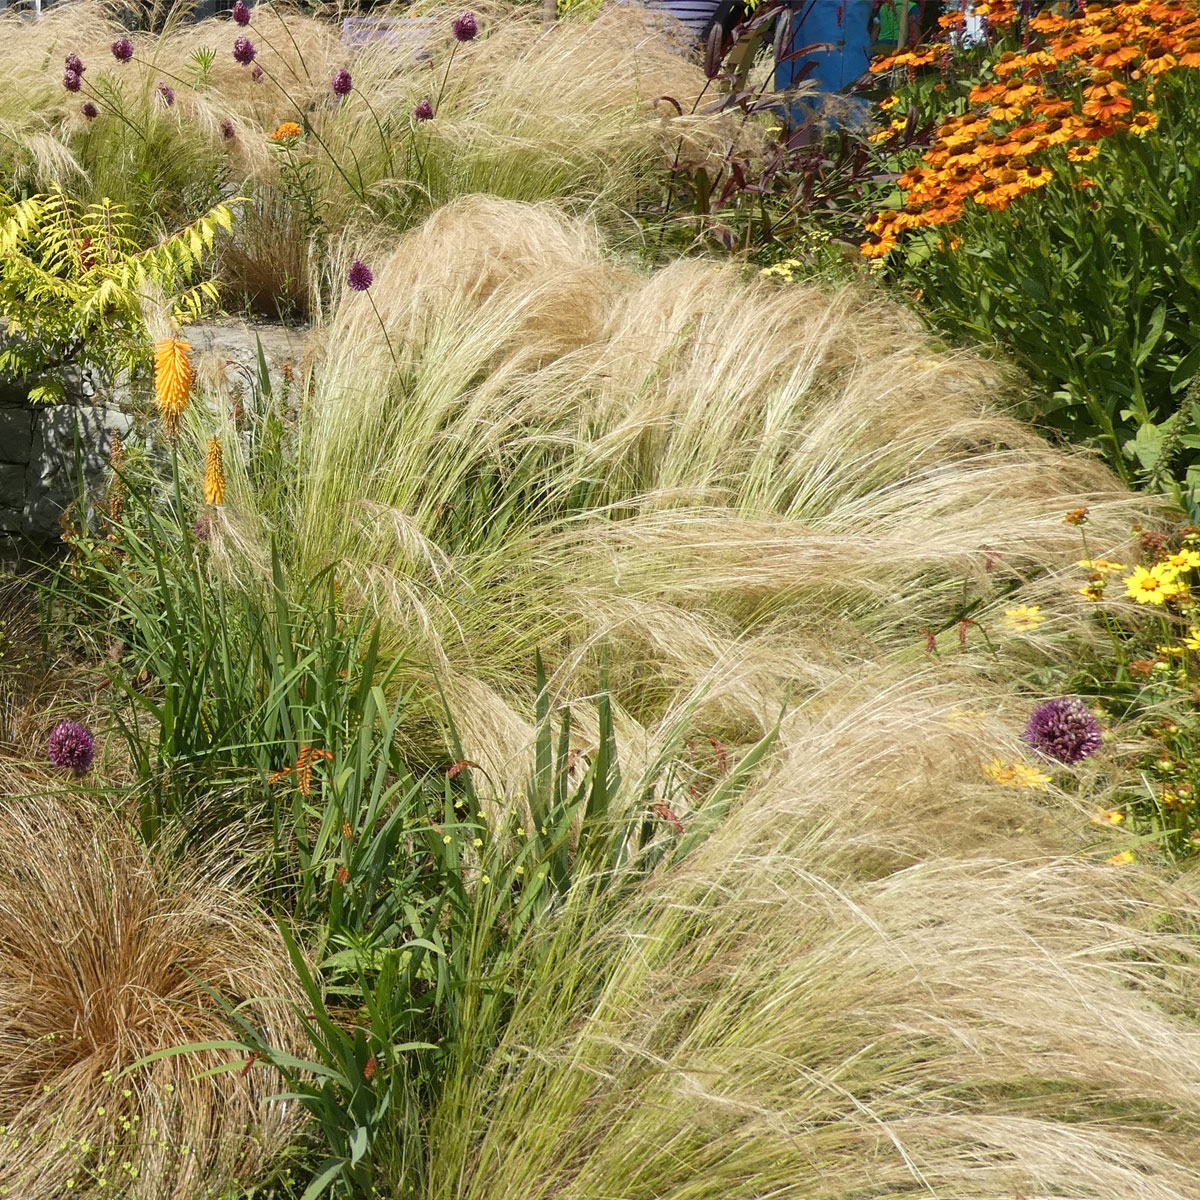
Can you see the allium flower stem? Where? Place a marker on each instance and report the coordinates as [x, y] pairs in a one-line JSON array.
[[437, 104], [383, 137], [383, 329]]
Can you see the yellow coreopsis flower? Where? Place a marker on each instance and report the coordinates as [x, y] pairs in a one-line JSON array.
[[172, 381], [214, 474], [1024, 616], [1152, 587]]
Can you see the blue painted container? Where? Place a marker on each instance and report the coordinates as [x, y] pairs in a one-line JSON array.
[[843, 24]]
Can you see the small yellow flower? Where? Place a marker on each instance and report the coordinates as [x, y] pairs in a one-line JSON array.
[[889, 102], [214, 474], [1185, 560], [1099, 564], [1126, 856], [1192, 641], [1152, 587], [447, 839], [1017, 775], [1023, 617], [1093, 592], [1112, 816], [172, 381]]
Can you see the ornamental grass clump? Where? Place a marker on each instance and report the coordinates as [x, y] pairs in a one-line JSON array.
[[106, 957], [581, 443]]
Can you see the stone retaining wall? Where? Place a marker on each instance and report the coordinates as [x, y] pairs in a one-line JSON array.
[[43, 449]]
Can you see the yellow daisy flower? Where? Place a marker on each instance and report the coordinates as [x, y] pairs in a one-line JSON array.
[[1024, 616], [1017, 775], [1126, 856], [1152, 587], [1110, 817]]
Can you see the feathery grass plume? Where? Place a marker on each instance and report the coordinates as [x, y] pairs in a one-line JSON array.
[[106, 957], [214, 473], [751, 1028], [695, 468], [172, 381]]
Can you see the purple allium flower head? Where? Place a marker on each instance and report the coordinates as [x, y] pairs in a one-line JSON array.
[[243, 50], [71, 746], [1063, 729], [165, 92], [257, 74], [227, 130], [122, 49], [202, 529], [360, 277], [241, 14], [466, 27], [342, 84], [423, 111], [89, 110], [72, 81], [75, 63]]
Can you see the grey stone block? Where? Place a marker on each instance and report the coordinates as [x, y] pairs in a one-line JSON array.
[[16, 434], [12, 486], [10, 520]]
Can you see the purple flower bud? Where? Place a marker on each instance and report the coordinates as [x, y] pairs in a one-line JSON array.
[[1063, 729], [75, 63], [466, 27], [243, 50], [202, 529], [166, 93], [72, 81], [342, 84], [122, 49], [423, 111], [257, 74], [71, 746], [89, 110], [360, 277], [227, 130], [241, 14]]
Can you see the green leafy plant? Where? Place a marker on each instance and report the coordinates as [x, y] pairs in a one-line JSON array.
[[73, 278]]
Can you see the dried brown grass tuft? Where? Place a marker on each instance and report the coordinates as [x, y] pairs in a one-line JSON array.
[[105, 957]]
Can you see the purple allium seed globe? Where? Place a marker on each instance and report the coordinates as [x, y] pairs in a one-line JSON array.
[[166, 93], [122, 50], [360, 277], [465, 27], [1063, 729], [71, 746], [423, 111], [72, 81], [227, 130], [241, 14], [342, 84], [202, 529], [89, 110], [257, 74], [243, 50], [75, 63]]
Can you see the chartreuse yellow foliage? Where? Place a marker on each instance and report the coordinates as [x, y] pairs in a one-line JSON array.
[[75, 274]]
